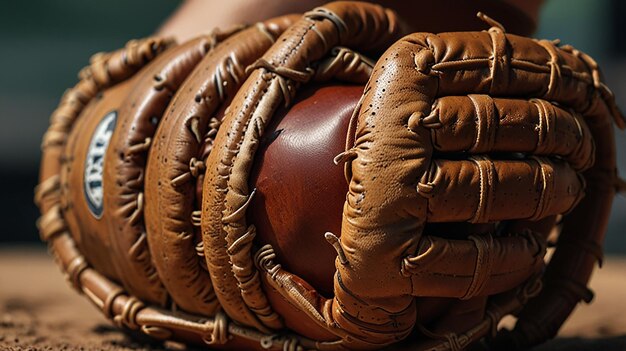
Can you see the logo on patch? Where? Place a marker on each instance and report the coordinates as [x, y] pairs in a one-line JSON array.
[[94, 164]]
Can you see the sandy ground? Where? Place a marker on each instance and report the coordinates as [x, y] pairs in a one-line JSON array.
[[38, 311]]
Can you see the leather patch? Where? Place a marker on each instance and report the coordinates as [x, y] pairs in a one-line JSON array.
[[94, 163]]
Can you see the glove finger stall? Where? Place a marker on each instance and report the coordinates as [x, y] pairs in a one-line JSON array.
[[482, 189], [175, 164], [137, 121], [479, 124]]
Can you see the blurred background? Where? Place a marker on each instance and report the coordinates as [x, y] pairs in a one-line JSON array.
[[45, 43]]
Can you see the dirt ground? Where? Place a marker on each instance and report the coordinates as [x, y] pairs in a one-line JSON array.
[[39, 311]]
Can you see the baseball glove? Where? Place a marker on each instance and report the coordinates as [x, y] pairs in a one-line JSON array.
[[191, 191]]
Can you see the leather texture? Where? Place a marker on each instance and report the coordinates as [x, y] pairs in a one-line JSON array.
[[268, 187], [124, 196], [175, 163], [90, 235], [425, 187]]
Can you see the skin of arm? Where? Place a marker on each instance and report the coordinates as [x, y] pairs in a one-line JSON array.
[[195, 17]]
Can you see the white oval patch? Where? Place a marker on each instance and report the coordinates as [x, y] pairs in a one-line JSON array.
[[94, 164]]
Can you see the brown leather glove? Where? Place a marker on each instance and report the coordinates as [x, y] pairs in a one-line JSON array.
[[184, 201]]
